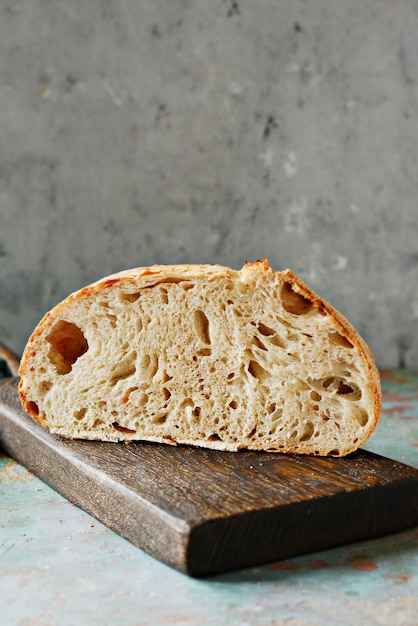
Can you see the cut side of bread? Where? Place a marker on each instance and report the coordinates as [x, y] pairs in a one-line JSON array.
[[203, 355]]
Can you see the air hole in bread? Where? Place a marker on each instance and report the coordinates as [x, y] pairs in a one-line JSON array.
[[145, 361], [112, 319], [32, 408], [315, 396], [252, 433], [277, 415], [128, 393], [187, 285], [294, 302], [256, 341], [80, 413], [275, 340], [257, 371], [214, 437], [168, 281], [204, 352], [340, 340], [44, 387], [122, 429], [187, 405], [124, 370], [361, 417], [67, 345], [349, 389], [271, 335], [143, 399], [161, 419], [165, 377], [148, 366], [166, 394], [164, 295], [153, 368], [338, 385], [201, 324], [307, 431], [265, 330], [130, 297], [334, 452], [233, 404]]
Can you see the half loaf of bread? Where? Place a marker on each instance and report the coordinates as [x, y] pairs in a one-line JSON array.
[[202, 355]]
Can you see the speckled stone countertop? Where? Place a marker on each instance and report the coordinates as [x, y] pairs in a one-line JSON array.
[[61, 566]]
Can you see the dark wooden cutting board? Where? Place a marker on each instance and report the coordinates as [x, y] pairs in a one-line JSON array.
[[204, 511]]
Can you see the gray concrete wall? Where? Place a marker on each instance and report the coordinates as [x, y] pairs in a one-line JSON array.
[[136, 132]]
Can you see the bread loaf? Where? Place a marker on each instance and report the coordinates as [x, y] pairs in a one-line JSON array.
[[202, 355]]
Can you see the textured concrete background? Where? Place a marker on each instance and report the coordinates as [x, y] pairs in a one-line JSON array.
[[135, 132]]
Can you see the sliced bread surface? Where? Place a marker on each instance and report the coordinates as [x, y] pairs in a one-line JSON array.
[[203, 355]]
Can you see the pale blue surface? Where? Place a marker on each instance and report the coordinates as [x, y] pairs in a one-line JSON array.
[[59, 566]]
